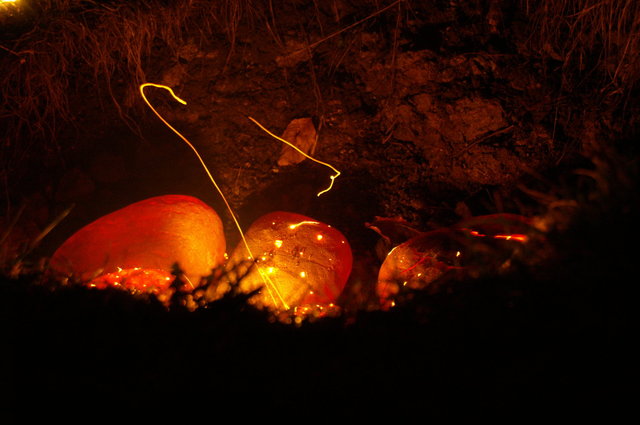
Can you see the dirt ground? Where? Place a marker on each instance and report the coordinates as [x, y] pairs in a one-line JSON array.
[[431, 113]]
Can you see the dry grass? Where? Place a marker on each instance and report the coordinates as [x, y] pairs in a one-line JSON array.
[[598, 38], [53, 48], [53, 51], [70, 39]]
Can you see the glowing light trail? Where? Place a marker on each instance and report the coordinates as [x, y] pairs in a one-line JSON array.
[[303, 154], [271, 287], [294, 226]]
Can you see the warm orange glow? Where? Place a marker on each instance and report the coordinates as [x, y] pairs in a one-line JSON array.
[[271, 287], [468, 247], [305, 271], [507, 237], [295, 226], [135, 279], [519, 238], [333, 177], [307, 311], [154, 233], [9, 5]]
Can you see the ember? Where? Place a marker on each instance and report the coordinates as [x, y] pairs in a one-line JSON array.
[[137, 280]]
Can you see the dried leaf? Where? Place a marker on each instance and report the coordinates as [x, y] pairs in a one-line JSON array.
[[302, 134]]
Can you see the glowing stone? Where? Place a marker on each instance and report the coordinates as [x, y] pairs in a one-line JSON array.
[[300, 262], [136, 246], [480, 243]]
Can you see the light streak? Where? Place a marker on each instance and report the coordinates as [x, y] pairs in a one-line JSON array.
[[271, 287], [303, 154], [520, 238], [515, 237], [294, 226]]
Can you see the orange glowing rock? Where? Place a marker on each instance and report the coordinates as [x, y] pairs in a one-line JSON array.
[[418, 262], [136, 246], [299, 262], [480, 243]]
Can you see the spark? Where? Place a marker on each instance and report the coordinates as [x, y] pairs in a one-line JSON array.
[[295, 226], [271, 287], [515, 237], [319, 237], [278, 243], [520, 238], [333, 177], [189, 281]]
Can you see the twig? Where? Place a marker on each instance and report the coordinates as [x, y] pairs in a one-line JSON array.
[[31, 52], [322, 40], [483, 138]]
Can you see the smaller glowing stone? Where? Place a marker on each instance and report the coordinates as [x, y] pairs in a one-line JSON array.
[[323, 267], [425, 258], [319, 237]]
